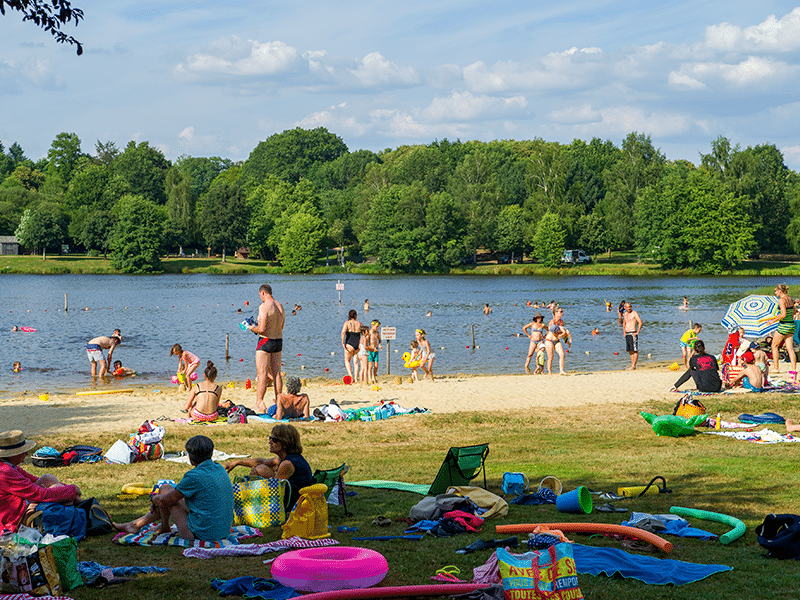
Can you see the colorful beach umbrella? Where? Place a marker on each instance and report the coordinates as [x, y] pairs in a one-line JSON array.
[[752, 313]]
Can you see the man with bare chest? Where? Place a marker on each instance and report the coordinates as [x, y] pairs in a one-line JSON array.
[[269, 329], [631, 326]]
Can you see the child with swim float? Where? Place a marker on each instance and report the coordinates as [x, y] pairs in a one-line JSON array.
[[187, 364]]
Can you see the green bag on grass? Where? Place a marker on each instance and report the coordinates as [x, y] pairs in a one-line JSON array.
[[65, 553]]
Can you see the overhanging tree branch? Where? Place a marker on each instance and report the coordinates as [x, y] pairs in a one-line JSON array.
[[49, 16]]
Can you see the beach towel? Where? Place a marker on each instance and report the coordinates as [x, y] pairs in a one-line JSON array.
[[253, 587], [763, 419], [92, 571], [259, 549], [149, 536], [647, 569], [382, 484], [674, 524], [216, 456], [763, 436]]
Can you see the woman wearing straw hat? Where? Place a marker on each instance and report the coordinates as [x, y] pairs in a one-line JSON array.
[[20, 491]]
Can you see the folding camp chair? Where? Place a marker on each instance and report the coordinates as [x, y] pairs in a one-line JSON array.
[[331, 477], [460, 467]]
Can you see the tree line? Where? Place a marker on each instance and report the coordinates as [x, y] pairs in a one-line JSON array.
[[420, 208]]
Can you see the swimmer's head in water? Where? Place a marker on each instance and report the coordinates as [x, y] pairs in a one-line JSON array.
[[176, 350], [17, 366], [352, 314], [117, 364]]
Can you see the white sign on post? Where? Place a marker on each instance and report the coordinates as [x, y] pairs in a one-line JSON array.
[[340, 286], [388, 333]]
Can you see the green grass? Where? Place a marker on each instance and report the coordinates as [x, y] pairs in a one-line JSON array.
[[620, 264], [602, 447]]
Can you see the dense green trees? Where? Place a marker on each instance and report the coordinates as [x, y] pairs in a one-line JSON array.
[[137, 236], [421, 208]]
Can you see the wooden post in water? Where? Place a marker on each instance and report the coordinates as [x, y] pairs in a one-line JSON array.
[[472, 329], [227, 342], [66, 307]]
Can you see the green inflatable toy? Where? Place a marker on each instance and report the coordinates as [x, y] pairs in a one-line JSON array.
[[673, 425], [734, 534]]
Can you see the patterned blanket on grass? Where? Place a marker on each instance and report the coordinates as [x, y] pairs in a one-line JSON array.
[[149, 536], [763, 436]]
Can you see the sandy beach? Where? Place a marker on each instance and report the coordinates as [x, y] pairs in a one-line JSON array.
[[67, 412]]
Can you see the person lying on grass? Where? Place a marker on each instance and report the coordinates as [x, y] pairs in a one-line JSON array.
[[288, 463], [200, 505]]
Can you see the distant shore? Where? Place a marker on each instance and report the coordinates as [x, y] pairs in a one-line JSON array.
[[67, 413], [620, 264]]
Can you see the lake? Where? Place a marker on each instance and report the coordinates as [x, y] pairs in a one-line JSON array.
[[197, 311]]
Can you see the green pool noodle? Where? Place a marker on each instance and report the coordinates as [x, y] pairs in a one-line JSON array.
[[734, 534]]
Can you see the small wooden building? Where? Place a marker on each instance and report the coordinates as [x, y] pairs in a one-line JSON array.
[[9, 244], [243, 253]]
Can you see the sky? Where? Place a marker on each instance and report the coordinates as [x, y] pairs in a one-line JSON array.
[[216, 78]]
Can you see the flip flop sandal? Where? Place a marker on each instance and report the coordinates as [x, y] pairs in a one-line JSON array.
[[381, 521], [608, 507]]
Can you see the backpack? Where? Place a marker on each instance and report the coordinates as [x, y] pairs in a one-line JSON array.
[[780, 535], [47, 458], [81, 454]]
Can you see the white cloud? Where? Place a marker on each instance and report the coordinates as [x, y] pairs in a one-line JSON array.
[[575, 114], [463, 106], [754, 70], [187, 134], [618, 121], [781, 35], [233, 57], [374, 70]]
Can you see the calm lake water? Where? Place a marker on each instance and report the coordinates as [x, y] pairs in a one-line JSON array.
[[196, 311]]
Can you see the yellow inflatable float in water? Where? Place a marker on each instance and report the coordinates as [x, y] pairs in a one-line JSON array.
[[413, 365]]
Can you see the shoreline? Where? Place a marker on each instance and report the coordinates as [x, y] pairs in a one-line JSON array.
[[65, 413]]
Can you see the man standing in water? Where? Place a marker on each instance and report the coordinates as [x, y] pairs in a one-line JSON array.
[[94, 351], [631, 326], [270, 343]]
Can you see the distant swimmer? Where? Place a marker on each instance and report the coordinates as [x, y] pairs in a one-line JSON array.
[[685, 303], [428, 314], [120, 371], [487, 309], [17, 366], [366, 305], [608, 305], [595, 331]]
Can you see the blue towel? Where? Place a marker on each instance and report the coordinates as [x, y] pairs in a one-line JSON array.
[[92, 571], [681, 528], [253, 587], [647, 569]]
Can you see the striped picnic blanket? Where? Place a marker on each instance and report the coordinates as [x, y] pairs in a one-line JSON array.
[[149, 536]]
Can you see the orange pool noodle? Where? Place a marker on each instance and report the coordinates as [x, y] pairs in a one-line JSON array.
[[632, 532]]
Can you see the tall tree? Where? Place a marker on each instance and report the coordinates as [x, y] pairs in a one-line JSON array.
[[137, 237], [224, 218], [42, 227], [181, 226], [548, 240], [63, 156], [292, 154], [144, 168], [302, 238], [474, 184]]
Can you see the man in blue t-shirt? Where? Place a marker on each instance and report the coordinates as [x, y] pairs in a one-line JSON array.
[[200, 505]]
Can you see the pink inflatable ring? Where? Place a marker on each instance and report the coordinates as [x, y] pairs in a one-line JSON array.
[[330, 568]]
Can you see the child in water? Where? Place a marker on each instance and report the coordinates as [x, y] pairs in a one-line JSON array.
[[120, 371], [16, 367], [187, 364]]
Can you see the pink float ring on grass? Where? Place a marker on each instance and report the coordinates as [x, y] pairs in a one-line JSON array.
[[330, 568]]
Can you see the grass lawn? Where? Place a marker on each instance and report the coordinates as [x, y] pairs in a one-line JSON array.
[[600, 447]]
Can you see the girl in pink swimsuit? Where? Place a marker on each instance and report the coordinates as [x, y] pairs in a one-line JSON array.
[[187, 364]]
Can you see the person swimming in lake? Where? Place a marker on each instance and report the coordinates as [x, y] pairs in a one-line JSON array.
[[205, 396], [16, 367], [120, 371]]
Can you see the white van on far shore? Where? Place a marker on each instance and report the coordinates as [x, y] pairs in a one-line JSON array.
[[575, 257]]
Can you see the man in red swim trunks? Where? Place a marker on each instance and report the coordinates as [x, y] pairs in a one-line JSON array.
[[270, 343]]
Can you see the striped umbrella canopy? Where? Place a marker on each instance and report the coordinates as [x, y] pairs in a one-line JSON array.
[[752, 313]]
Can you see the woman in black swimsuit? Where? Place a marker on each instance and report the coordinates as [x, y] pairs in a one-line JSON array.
[[351, 338], [204, 397]]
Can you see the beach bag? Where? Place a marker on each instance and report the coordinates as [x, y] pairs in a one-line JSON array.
[[98, 521], [780, 535], [119, 454], [688, 406], [65, 554], [60, 519], [144, 451], [515, 484], [34, 574], [260, 503], [82, 454], [540, 574], [47, 458]]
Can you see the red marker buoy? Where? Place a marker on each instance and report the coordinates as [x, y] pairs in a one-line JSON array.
[[326, 369], [298, 354], [241, 360]]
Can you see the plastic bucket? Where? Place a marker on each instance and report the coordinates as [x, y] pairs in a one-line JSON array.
[[44, 397], [551, 482], [578, 500]]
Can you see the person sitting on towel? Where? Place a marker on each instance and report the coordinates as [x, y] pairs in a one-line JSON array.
[[703, 368], [200, 505], [291, 404], [751, 376], [204, 397], [288, 463]]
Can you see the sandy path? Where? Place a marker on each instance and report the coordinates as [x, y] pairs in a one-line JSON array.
[[68, 413]]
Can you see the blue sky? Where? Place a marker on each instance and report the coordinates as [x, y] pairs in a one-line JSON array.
[[215, 78]]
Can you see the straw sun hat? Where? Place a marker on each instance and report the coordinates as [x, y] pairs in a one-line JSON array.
[[13, 443]]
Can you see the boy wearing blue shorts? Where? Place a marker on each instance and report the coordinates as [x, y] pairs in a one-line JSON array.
[[375, 343]]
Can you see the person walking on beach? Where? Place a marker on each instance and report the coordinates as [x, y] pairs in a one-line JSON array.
[[631, 327], [552, 341], [536, 335], [426, 362], [269, 329], [351, 340], [94, 351], [375, 344]]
